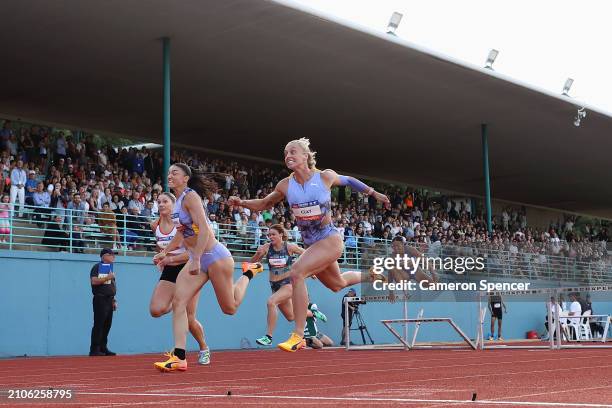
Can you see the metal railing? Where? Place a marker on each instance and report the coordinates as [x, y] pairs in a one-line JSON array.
[[76, 231]]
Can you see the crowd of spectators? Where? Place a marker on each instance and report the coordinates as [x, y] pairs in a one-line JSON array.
[[85, 180]]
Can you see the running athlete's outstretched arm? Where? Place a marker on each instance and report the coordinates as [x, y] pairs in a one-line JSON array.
[[263, 203], [334, 179], [173, 260], [261, 252], [175, 243]]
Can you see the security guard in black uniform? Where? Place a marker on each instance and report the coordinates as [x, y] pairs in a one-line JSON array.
[[104, 290]]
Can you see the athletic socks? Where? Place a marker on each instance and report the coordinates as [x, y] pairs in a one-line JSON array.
[[248, 274], [180, 353]]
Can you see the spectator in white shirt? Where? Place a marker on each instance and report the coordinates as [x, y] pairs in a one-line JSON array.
[[574, 310], [214, 224], [18, 181]]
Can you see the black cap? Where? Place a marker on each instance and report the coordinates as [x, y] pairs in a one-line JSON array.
[[106, 251]]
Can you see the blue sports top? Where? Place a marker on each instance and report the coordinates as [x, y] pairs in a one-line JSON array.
[[181, 217], [279, 261], [310, 203]]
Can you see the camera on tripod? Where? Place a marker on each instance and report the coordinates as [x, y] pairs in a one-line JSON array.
[[353, 309]]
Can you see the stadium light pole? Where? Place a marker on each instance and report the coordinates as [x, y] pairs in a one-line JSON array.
[[485, 168], [166, 108]]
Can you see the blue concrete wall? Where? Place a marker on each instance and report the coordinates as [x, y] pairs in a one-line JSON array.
[[46, 309]]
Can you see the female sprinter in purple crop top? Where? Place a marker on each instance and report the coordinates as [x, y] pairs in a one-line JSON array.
[[308, 192], [208, 259]]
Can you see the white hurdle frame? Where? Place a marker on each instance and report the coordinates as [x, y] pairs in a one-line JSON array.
[[405, 321]]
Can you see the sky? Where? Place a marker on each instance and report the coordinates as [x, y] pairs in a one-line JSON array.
[[540, 42]]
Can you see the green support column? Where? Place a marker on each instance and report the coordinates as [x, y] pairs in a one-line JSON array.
[[166, 109], [485, 168]]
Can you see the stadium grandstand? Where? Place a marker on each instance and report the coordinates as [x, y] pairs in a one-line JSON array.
[[72, 174], [103, 99]]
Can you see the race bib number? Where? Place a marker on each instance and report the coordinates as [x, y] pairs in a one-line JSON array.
[[307, 211], [175, 220], [277, 262], [164, 242]]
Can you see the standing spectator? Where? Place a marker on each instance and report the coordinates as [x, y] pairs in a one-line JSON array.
[[60, 147], [12, 146], [495, 307], [43, 151], [138, 163], [214, 224], [28, 146], [5, 224], [76, 211], [108, 225], [5, 134], [104, 290], [18, 181]]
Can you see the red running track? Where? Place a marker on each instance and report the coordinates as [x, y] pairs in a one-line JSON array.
[[332, 377]]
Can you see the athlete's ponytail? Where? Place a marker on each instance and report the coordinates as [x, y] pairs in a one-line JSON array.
[[198, 180]]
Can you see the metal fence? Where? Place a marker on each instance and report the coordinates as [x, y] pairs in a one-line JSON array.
[[78, 231]]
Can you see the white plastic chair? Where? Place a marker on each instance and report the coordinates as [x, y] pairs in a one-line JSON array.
[[584, 332], [573, 322]]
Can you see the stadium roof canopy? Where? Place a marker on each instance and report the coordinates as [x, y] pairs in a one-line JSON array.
[[249, 75]]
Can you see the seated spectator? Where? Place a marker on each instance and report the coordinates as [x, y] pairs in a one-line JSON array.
[[596, 327], [116, 204], [148, 210], [30, 187], [136, 228], [42, 200], [55, 236], [135, 202], [574, 310], [77, 209]]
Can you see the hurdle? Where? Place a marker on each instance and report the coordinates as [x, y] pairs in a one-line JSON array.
[[404, 343]]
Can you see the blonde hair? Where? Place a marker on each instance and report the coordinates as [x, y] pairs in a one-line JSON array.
[[169, 195], [304, 143]]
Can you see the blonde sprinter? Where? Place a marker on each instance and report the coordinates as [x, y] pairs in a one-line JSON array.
[[308, 193]]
